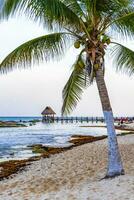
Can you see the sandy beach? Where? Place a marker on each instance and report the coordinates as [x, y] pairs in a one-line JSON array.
[[74, 175]]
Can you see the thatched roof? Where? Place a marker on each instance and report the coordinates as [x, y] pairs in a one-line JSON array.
[[48, 111]]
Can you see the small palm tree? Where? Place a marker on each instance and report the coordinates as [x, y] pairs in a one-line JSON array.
[[92, 27]]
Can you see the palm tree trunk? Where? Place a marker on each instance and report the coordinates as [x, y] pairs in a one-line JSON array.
[[115, 166]]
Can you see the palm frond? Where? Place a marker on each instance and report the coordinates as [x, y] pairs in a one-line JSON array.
[[75, 6], [51, 13], [123, 59], [87, 5], [111, 5], [48, 47], [1, 4], [74, 87], [123, 22], [12, 7]]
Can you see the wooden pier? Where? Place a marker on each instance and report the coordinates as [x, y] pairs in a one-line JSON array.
[[51, 119]]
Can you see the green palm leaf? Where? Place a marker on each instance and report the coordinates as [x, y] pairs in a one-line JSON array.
[[75, 6], [123, 59], [47, 47], [51, 13], [11, 7], [124, 22], [111, 6], [74, 87]]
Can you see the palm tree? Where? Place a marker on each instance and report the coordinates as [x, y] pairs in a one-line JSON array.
[[92, 27]]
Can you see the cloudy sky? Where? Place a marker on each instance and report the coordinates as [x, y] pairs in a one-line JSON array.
[[28, 92]]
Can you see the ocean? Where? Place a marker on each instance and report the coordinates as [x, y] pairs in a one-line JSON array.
[[14, 142]]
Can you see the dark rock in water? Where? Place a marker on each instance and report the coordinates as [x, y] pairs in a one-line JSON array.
[[9, 124], [12, 154], [34, 121], [35, 145]]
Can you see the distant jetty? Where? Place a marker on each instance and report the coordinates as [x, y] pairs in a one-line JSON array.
[[48, 115], [72, 119]]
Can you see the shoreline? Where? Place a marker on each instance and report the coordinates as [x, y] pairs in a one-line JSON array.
[[8, 168], [75, 175], [11, 167]]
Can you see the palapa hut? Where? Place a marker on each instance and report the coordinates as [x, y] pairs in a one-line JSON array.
[[48, 114]]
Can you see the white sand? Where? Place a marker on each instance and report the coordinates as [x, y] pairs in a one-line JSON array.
[[74, 175]]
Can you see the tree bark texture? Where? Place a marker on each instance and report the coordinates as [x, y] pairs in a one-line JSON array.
[[115, 166]]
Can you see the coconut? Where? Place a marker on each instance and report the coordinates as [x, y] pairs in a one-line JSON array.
[[77, 44]]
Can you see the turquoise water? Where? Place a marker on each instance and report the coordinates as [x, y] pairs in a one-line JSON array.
[[14, 142]]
